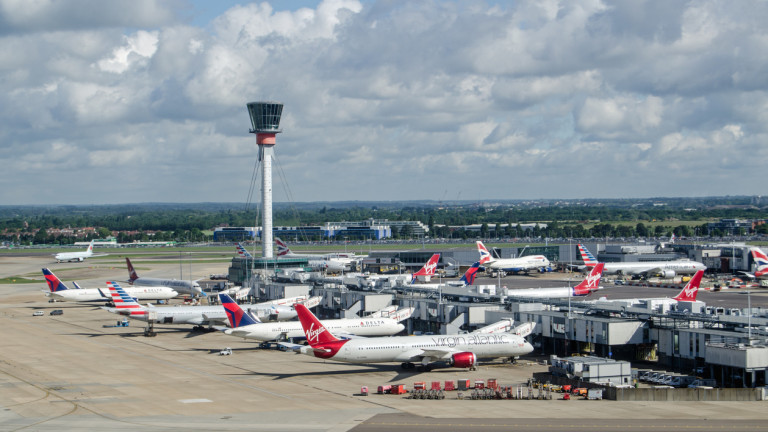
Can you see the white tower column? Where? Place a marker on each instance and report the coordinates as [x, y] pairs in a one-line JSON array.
[[266, 200]]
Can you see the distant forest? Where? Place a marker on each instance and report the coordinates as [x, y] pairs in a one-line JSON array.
[[564, 218]]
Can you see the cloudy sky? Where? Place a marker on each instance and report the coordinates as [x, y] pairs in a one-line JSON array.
[[144, 101]]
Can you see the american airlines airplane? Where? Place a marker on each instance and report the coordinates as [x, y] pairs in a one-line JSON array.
[[245, 326], [332, 262], [77, 256], [183, 286], [460, 350], [589, 285], [60, 292], [511, 265], [195, 315], [666, 269]]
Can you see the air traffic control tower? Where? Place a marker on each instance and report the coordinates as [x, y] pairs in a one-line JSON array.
[[265, 123]]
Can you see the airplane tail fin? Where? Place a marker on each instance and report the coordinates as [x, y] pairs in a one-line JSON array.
[[428, 269], [586, 256], [761, 262], [282, 248], [591, 283], [243, 252], [691, 289], [314, 330], [132, 276], [124, 304], [76, 285], [471, 274], [54, 284], [90, 247], [237, 316], [485, 255]]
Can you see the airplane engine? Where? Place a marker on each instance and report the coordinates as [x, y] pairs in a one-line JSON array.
[[668, 274], [463, 360]]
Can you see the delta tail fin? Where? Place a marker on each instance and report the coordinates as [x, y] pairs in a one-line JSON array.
[[237, 316], [132, 276], [471, 274], [691, 289], [586, 256], [591, 283], [54, 284], [428, 270]]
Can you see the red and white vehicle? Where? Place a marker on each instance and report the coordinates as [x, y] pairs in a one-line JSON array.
[[460, 350]]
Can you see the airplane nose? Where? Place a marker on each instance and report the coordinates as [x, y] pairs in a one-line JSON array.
[[528, 348]]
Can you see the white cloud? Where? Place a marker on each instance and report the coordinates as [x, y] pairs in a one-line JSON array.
[[384, 95]]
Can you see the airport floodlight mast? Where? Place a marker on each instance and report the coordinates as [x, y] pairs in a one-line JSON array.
[[265, 123]]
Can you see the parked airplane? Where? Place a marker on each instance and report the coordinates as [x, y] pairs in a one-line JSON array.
[[77, 256], [687, 294], [332, 262], [196, 315], [461, 351], [666, 269], [423, 275], [761, 264], [467, 279], [245, 326], [589, 285], [183, 286], [60, 292], [511, 265]]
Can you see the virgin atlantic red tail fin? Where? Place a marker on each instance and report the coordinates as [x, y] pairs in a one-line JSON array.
[[688, 294], [591, 282], [132, 276], [314, 330]]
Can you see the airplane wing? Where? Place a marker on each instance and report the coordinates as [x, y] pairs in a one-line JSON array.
[[431, 354], [748, 275]]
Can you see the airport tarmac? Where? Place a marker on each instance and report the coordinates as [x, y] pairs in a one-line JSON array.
[[69, 372]]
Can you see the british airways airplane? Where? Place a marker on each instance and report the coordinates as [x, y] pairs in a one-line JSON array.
[[511, 265]]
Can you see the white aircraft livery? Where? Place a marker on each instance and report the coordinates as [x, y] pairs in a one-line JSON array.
[[514, 265], [59, 291], [196, 315], [245, 326], [461, 351], [77, 256], [666, 269]]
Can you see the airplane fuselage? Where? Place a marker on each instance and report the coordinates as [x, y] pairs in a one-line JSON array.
[[182, 286], [637, 268], [292, 329], [416, 348], [95, 294]]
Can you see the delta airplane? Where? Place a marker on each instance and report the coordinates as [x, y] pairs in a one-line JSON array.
[[459, 350], [666, 269], [511, 265], [589, 285], [761, 264], [245, 326], [77, 256], [183, 286], [332, 262], [195, 315], [60, 292]]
